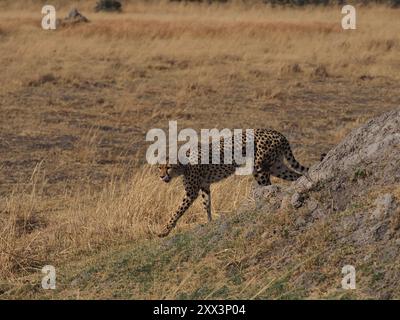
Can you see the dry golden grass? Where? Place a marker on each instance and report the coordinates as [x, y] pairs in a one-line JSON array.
[[76, 104], [36, 230]]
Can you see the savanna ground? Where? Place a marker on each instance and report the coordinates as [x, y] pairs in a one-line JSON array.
[[77, 102]]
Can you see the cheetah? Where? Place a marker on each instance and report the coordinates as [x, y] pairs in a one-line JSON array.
[[270, 150]]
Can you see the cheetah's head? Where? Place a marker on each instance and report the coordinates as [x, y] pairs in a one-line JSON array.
[[168, 171]]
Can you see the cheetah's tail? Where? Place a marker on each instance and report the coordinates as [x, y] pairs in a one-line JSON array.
[[293, 162]]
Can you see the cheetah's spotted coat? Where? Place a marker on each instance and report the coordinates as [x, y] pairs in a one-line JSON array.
[[270, 150]]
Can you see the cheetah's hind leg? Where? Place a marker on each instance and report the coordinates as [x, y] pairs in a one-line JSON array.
[[280, 170], [262, 175]]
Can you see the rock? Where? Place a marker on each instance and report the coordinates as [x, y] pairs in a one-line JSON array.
[[312, 205], [264, 192], [373, 144], [297, 200], [332, 195], [73, 14], [260, 194], [108, 5], [300, 221], [318, 214], [379, 231], [384, 204], [73, 17]]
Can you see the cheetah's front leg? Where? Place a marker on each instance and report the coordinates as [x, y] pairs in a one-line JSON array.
[[189, 198], [206, 195]]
